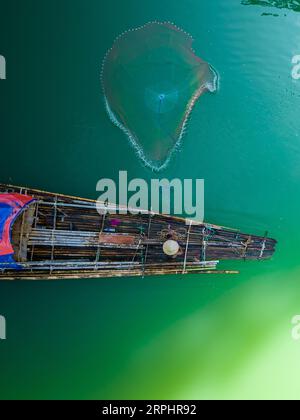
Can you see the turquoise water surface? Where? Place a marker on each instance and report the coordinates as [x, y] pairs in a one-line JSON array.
[[183, 337]]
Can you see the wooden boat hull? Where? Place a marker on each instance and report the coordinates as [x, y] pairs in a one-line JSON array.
[[64, 237]]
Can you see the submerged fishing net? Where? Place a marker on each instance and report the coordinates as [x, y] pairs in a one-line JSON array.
[[151, 80]]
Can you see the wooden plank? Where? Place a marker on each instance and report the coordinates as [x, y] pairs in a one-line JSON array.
[[116, 239]]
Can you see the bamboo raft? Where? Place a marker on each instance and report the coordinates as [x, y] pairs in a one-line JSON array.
[[63, 237]]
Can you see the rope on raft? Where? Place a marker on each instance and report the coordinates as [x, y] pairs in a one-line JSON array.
[[148, 237], [99, 247], [186, 248], [53, 232]]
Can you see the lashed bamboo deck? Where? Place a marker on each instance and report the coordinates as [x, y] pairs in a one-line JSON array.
[[63, 237]]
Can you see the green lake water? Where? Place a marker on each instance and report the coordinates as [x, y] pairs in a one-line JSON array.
[[175, 337]]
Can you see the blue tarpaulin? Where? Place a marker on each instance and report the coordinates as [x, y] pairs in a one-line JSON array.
[[11, 206]]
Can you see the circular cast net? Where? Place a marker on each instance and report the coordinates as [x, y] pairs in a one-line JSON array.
[[151, 81]]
